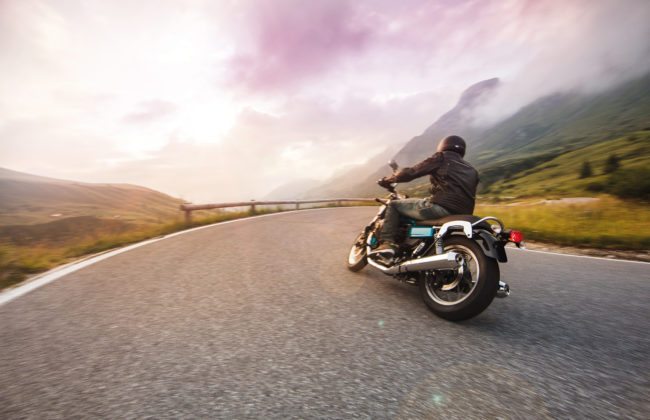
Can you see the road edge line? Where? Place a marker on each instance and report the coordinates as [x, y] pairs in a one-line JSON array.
[[579, 256], [58, 272]]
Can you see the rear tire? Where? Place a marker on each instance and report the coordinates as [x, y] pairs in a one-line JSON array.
[[462, 293], [357, 258]]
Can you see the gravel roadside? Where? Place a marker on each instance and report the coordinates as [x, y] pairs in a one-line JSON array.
[[638, 255]]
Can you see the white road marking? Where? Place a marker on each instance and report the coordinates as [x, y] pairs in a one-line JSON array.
[[577, 256]]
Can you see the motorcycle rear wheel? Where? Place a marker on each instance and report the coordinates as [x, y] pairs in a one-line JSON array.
[[357, 258], [465, 292]]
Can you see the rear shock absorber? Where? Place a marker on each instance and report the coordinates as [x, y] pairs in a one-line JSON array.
[[438, 244]]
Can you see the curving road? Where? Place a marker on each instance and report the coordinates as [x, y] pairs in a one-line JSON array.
[[261, 319]]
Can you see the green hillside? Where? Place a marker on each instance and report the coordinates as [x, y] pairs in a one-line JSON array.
[[563, 176], [565, 122]]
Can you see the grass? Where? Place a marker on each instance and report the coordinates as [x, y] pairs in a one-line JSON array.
[[607, 222], [19, 262], [561, 176]]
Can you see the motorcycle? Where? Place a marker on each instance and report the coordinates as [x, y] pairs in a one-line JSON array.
[[453, 260]]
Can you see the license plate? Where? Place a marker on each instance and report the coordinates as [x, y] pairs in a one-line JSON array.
[[421, 232]]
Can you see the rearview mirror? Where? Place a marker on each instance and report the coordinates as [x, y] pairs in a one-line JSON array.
[[393, 164]]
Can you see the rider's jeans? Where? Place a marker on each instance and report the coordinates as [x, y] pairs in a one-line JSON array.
[[414, 208]]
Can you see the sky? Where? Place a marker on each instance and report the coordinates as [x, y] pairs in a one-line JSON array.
[[225, 100]]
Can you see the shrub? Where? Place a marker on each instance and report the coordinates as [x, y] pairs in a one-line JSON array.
[[611, 164], [585, 171], [631, 183], [595, 187]]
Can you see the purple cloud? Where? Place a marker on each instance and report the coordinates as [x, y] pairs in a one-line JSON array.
[[295, 39]]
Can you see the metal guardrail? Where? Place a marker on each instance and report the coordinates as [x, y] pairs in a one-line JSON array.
[[188, 208]]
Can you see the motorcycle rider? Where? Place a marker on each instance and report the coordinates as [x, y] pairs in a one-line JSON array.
[[453, 190]]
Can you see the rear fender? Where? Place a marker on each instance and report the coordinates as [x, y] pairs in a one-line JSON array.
[[491, 246]]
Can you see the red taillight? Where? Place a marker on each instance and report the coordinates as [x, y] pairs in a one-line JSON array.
[[516, 236]]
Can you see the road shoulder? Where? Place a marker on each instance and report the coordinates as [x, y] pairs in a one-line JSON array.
[[638, 255]]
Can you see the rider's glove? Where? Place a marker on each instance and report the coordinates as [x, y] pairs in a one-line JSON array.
[[384, 183]]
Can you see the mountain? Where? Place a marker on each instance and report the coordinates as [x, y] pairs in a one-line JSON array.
[[627, 177], [539, 132], [291, 190], [566, 121], [459, 120], [350, 181], [361, 180], [558, 124], [27, 199]]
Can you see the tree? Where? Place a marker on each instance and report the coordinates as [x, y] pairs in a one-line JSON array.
[[586, 171], [631, 183], [611, 164]]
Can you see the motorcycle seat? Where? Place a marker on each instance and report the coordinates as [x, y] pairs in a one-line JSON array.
[[439, 222]]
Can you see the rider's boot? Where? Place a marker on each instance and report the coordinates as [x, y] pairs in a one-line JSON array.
[[386, 249]]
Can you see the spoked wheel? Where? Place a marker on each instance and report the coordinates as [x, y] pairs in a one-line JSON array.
[[464, 292], [357, 258]]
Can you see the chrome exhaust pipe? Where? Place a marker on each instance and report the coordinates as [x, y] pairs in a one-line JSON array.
[[503, 291], [447, 261]]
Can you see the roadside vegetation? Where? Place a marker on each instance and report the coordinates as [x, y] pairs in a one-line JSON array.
[[25, 254], [603, 222], [620, 167]]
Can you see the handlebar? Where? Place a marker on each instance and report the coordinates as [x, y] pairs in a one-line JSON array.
[[391, 188], [393, 194]]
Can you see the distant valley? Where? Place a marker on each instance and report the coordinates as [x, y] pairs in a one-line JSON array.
[[46, 221], [41, 211], [29, 199]]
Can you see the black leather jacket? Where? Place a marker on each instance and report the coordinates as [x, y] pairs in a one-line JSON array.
[[453, 181]]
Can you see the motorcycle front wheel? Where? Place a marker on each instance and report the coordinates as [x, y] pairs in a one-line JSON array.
[[357, 258], [466, 291]]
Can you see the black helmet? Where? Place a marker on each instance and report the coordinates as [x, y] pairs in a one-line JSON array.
[[452, 144]]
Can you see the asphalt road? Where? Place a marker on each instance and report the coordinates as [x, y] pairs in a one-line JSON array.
[[261, 319]]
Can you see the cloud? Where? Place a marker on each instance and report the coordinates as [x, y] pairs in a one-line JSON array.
[[293, 40], [226, 100], [150, 111], [262, 151], [421, 44], [582, 46], [49, 146]]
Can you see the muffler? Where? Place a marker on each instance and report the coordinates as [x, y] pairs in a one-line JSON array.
[[447, 261]]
